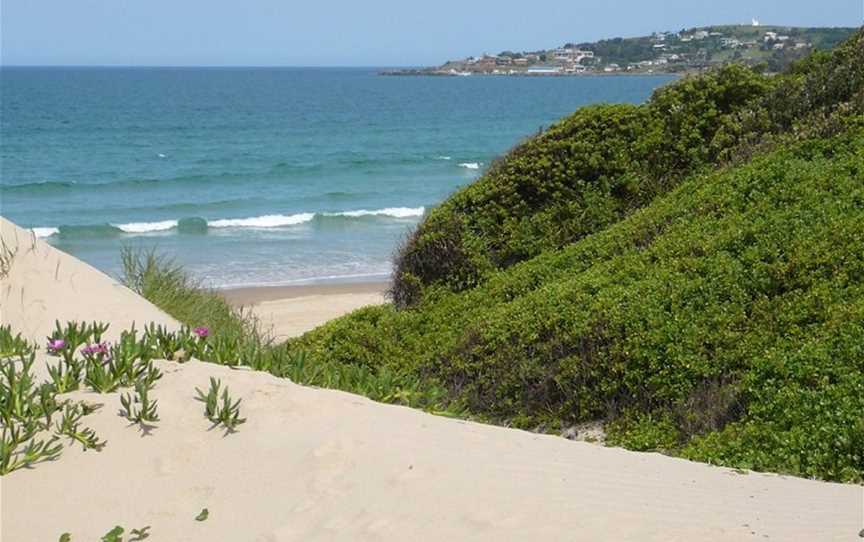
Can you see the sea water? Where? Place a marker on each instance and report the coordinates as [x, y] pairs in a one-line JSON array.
[[255, 176]]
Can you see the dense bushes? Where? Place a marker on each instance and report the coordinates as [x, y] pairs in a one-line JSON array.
[[723, 322], [603, 162], [583, 174], [722, 318]]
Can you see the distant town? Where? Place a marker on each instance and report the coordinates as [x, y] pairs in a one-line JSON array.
[[688, 50]]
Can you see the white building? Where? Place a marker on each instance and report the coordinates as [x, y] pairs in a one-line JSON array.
[[572, 54], [543, 70]]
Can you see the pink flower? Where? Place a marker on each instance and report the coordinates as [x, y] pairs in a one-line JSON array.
[[202, 332], [93, 349], [56, 345]]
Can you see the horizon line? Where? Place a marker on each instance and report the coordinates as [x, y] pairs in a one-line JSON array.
[[399, 66], [211, 66]]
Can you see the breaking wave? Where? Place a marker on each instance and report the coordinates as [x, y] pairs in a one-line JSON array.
[[192, 225]]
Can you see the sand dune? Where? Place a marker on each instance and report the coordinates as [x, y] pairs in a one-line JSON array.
[[45, 284], [315, 464]]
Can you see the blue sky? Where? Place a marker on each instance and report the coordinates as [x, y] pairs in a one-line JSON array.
[[356, 33]]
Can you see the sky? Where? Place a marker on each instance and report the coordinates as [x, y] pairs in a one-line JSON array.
[[356, 32]]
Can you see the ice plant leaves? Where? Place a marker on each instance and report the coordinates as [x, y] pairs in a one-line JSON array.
[[116, 535], [140, 534], [25, 409], [139, 408], [203, 515], [227, 412], [69, 425]]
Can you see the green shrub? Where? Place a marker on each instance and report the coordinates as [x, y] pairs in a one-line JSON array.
[[671, 323], [602, 162]]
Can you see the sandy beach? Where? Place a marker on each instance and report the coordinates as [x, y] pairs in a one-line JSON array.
[[289, 311], [313, 464]]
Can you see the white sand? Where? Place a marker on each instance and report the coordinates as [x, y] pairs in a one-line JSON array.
[[290, 311], [314, 464], [294, 316]]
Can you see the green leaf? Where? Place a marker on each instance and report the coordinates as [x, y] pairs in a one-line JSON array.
[[113, 535], [203, 515], [139, 534]]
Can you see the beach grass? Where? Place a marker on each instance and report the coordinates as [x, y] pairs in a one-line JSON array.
[[234, 337], [169, 287]]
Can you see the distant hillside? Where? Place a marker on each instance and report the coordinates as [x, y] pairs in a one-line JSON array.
[[687, 50]]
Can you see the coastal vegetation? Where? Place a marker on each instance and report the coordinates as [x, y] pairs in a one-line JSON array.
[[226, 413], [688, 272], [28, 433]]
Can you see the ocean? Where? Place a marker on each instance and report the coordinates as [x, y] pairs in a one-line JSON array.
[[259, 176]]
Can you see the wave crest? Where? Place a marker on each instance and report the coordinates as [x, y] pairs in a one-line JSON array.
[[265, 221], [146, 227], [395, 212], [197, 225]]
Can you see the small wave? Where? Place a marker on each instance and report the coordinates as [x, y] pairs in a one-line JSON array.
[[445, 158], [470, 165], [395, 212], [52, 187], [288, 167], [45, 232], [266, 221], [341, 194], [38, 186], [198, 225], [193, 225], [146, 227], [88, 231]]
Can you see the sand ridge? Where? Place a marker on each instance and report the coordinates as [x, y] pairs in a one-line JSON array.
[[45, 285]]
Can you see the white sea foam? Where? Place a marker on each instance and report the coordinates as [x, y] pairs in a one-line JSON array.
[[259, 222], [45, 232], [395, 212], [266, 221], [470, 165], [445, 158], [145, 227]]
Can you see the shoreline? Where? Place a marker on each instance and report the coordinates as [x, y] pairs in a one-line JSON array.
[[289, 311], [409, 73], [248, 296]]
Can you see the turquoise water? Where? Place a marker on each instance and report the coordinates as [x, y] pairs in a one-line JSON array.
[[259, 176]]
